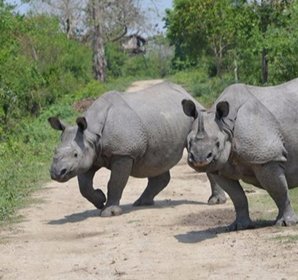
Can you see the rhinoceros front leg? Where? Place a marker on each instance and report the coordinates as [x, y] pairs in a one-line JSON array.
[[120, 171], [155, 186], [96, 197], [218, 196], [272, 178], [239, 199]]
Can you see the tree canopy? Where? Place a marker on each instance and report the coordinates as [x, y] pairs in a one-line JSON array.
[[254, 40]]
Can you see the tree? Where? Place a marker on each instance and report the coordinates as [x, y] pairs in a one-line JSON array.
[[271, 14], [109, 21], [96, 10], [202, 26], [241, 35], [96, 22], [69, 12]]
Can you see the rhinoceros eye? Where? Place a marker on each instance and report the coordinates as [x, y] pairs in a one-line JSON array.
[[75, 155], [217, 144]]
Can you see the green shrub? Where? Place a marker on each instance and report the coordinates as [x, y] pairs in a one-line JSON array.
[[25, 157], [204, 88], [38, 66], [92, 89]]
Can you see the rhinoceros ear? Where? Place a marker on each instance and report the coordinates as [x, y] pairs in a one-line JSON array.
[[82, 123], [56, 123], [222, 109], [189, 108]]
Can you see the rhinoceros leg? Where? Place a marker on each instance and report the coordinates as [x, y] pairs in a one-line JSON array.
[[218, 196], [96, 197], [272, 178], [155, 186], [120, 171], [239, 199]]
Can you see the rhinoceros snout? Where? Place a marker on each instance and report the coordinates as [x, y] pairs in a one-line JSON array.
[[59, 175], [198, 162]]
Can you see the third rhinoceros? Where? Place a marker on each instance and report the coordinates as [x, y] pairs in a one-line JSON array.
[[250, 133], [141, 134]]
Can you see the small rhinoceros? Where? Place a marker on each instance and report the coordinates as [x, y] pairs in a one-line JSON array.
[[249, 134], [141, 134]]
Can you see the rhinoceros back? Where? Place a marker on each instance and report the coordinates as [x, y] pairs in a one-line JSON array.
[[166, 126], [147, 125]]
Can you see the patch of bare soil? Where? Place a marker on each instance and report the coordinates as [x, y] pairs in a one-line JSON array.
[[181, 237]]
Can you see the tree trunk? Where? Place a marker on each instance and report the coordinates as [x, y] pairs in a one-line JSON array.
[[99, 60], [236, 78], [264, 66]]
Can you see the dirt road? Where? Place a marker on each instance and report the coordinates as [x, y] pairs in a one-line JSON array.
[[181, 237]]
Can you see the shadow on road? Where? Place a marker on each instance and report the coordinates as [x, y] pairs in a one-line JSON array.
[[76, 217], [127, 208], [199, 236]]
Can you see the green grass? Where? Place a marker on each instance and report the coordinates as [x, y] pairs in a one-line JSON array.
[[24, 161], [287, 239], [263, 209]]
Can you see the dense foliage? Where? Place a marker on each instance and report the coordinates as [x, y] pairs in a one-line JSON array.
[[252, 41]]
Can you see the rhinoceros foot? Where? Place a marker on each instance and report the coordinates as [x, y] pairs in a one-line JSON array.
[[100, 199], [143, 202], [112, 210], [287, 220], [217, 199], [241, 225]]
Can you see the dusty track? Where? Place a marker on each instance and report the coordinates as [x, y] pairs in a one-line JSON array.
[[181, 237]]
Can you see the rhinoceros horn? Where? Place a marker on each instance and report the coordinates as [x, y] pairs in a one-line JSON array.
[[201, 129]]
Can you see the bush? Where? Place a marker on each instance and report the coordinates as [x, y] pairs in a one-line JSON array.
[[38, 65], [92, 89], [197, 82]]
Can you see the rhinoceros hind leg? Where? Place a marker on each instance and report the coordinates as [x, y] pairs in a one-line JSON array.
[[273, 180], [113, 210], [288, 220], [155, 186]]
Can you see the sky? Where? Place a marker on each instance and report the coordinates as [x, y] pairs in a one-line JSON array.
[[158, 7], [156, 10]]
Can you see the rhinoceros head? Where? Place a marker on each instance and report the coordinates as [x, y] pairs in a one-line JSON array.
[[208, 144], [76, 152]]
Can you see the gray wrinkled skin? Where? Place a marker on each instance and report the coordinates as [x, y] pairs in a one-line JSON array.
[[140, 134], [250, 133]]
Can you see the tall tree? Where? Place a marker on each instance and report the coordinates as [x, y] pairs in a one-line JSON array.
[[271, 13], [96, 22], [69, 12], [96, 10], [108, 21], [199, 26], [243, 33]]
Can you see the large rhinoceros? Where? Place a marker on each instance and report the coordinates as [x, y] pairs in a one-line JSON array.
[[250, 133], [141, 134]]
